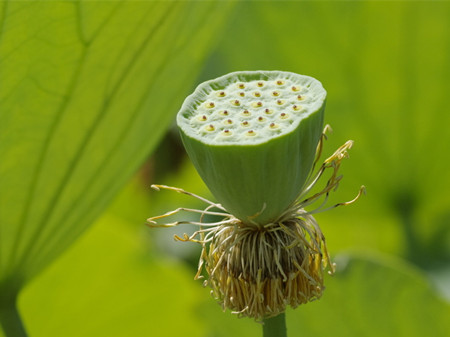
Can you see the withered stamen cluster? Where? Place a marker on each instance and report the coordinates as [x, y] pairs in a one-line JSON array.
[[257, 271]]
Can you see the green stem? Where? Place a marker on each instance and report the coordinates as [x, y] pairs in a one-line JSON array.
[[10, 319], [275, 326]]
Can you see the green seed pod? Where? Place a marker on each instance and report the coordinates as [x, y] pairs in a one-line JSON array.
[[252, 136]]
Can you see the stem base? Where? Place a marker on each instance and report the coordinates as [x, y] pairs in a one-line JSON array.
[[275, 326]]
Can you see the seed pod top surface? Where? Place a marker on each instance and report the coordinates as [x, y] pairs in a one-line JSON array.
[[249, 107], [252, 136]]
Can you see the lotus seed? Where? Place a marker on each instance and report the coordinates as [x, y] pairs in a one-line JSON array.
[[280, 82], [242, 94], [221, 94], [210, 105], [280, 102], [295, 88], [260, 84], [241, 86], [257, 94], [257, 104], [275, 93], [236, 102]]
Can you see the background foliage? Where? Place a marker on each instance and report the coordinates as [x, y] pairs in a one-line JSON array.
[[83, 102], [87, 91]]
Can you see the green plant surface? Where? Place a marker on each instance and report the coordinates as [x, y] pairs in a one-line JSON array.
[[107, 285], [88, 88], [374, 296], [275, 326]]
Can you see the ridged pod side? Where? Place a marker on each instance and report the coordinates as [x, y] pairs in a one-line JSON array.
[[257, 182], [259, 179]]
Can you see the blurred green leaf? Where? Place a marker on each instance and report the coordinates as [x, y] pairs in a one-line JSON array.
[[87, 90], [105, 285], [373, 296]]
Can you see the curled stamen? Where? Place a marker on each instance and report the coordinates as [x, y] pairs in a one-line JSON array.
[[179, 190]]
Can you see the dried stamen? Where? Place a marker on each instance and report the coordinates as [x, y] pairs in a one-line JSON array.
[[257, 271]]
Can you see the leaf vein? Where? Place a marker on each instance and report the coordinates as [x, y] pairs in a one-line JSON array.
[[89, 134]]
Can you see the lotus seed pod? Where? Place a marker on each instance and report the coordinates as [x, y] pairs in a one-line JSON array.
[[252, 136]]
